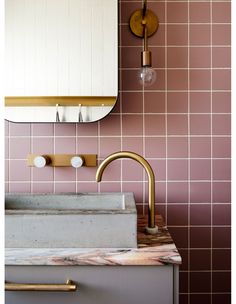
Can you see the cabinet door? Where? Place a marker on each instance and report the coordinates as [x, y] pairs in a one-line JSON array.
[[96, 284]]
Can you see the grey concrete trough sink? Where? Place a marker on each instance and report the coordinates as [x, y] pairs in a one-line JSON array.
[[83, 220]]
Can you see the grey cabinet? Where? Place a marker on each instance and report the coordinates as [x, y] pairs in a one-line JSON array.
[[97, 284]]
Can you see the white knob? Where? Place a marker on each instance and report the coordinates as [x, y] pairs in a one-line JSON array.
[[76, 161], [40, 161]]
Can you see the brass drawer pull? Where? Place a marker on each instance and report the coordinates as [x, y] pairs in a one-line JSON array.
[[69, 286]]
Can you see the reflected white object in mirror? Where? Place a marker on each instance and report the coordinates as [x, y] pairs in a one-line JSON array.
[[61, 48]]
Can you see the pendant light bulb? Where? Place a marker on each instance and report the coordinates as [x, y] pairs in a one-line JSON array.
[[147, 76]]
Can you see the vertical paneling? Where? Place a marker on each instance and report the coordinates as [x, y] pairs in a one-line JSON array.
[[61, 48]]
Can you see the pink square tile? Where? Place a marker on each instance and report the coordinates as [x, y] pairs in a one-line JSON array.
[[19, 129], [222, 192], [19, 171], [158, 56], [110, 125], [129, 80], [86, 174], [177, 215], [19, 187], [177, 79], [177, 124], [177, 147], [154, 102], [6, 188], [65, 145], [177, 102], [221, 34], [132, 171], [127, 38], [88, 129], [221, 124], [177, 192], [221, 169], [199, 12], [130, 57], [6, 147], [200, 102], [177, 169], [6, 127], [136, 188], [159, 38], [42, 129], [200, 79], [200, 169], [112, 172], [159, 169], [221, 214], [177, 12], [43, 145], [200, 57], [127, 8], [221, 57], [134, 144], [221, 147], [132, 124], [64, 174], [65, 187], [200, 215], [200, 124], [132, 102], [109, 145], [19, 147], [65, 129], [87, 145], [154, 124], [221, 80], [110, 187], [6, 170], [200, 192], [42, 174], [177, 35], [221, 102], [177, 57], [87, 187], [199, 34], [160, 195], [200, 147], [155, 147], [200, 242], [42, 187], [159, 8], [221, 12]]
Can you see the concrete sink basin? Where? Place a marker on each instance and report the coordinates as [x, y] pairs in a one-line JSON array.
[[84, 220]]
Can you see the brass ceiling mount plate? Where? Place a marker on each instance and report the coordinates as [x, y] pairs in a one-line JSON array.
[[136, 23]]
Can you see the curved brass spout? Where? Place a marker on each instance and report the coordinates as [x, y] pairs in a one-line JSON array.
[[152, 228]]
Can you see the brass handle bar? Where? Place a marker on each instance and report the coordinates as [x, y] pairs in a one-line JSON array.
[[67, 287]]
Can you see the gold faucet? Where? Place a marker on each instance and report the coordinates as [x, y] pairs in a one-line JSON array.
[[151, 228]]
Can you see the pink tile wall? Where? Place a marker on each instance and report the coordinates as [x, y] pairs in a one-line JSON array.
[[181, 125]]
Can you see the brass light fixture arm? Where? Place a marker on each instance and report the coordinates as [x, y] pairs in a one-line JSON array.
[[151, 228]]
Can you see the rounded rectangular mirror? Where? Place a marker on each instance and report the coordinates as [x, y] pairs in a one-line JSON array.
[[61, 60]]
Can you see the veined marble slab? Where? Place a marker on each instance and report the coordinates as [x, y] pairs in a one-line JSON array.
[[152, 250]]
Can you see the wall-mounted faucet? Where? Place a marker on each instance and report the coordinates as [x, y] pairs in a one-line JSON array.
[[62, 160], [151, 228]]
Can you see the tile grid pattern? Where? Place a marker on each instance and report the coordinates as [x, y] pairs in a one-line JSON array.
[[181, 125]]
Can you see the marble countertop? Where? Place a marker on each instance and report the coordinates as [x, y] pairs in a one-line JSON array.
[[156, 249]]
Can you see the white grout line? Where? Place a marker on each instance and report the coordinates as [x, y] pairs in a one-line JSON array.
[[211, 145], [189, 155], [166, 116]]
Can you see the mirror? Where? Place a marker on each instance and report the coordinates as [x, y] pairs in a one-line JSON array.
[[61, 60]]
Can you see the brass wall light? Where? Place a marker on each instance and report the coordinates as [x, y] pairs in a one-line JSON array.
[[143, 24]]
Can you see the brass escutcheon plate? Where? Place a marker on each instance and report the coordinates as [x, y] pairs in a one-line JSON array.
[[136, 23]]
